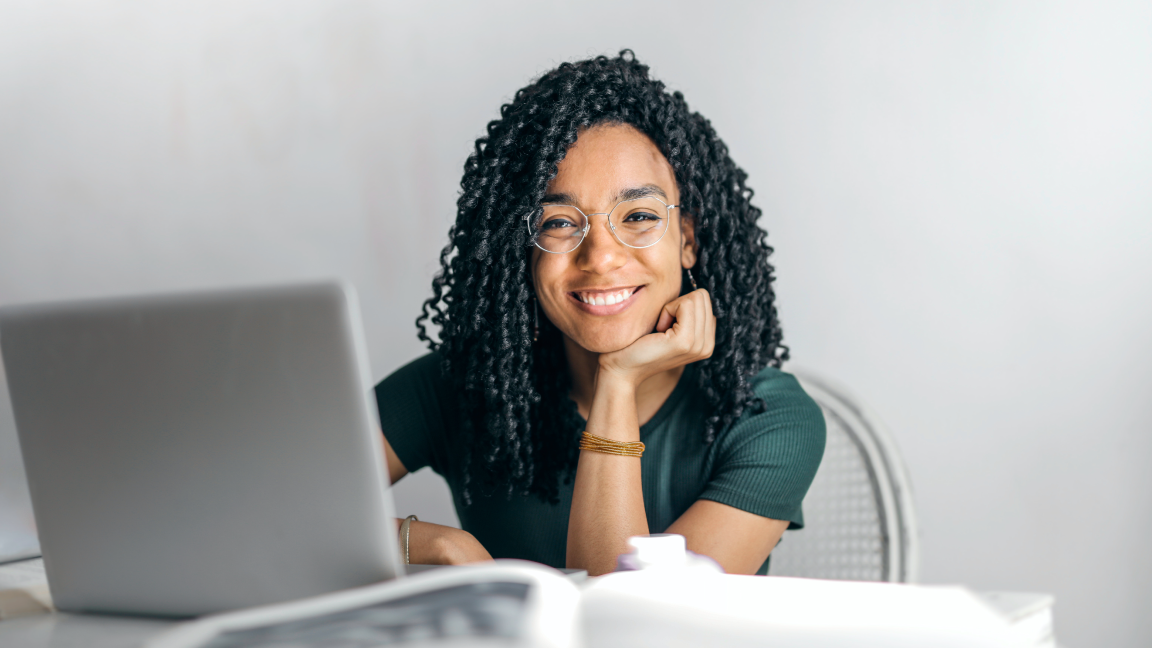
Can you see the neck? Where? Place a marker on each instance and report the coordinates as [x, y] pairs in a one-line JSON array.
[[584, 365]]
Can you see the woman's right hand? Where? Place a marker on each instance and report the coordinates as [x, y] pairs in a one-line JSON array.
[[436, 544], [685, 333]]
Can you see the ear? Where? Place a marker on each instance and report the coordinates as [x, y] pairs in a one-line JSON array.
[[687, 241]]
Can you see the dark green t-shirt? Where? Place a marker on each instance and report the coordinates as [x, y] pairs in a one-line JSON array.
[[763, 464]]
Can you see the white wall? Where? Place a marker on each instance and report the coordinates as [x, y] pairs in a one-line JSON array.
[[959, 195]]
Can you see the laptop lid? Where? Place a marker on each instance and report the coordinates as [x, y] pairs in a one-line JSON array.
[[194, 453], [17, 528]]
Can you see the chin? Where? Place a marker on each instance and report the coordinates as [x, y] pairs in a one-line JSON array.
[[606, 347], [608, 343]]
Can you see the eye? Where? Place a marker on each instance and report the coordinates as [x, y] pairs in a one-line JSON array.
[[640, 217], [556, 224]]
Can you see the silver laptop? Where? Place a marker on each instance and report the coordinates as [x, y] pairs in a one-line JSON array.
[[196, 453]]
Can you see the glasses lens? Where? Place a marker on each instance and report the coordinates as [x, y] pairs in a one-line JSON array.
[[560, 228], [640, 223]]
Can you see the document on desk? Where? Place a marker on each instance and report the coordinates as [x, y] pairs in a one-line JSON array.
[[638, 609]]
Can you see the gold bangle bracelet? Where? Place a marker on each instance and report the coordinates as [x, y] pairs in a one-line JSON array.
[[609, 446]]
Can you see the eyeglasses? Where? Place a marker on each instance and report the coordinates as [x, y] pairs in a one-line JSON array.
[[638, 223]]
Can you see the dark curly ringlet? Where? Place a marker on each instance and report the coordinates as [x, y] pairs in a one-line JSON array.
[[518, 423]]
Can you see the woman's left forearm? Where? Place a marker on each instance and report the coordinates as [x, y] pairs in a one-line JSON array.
[[607, 497]]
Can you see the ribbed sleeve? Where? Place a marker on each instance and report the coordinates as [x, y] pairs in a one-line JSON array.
[[766, 461]]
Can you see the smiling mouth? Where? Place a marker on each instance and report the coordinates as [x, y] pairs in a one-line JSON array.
[[602, 298], [605, 302]]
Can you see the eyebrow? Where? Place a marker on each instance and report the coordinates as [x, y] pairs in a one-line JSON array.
[[631, 193]]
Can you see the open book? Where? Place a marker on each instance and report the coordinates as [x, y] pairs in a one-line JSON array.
[[507, 602], [523, 604]]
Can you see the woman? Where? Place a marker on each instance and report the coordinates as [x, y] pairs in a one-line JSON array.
[[606, 286]]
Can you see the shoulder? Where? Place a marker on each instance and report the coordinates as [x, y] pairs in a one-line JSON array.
[[422, 374], [783, 395], [783, 398], [418, 388], [782, 419], [417, 410]]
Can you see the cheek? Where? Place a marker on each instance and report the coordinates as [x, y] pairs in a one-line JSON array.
[[547, 272], [541, 273], [667, 275]]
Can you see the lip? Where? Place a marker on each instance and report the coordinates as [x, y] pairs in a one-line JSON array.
[[605, 309]]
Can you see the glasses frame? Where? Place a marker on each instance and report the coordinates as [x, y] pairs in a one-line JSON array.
[[588, 224]]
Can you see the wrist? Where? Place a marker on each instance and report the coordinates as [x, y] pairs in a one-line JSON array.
[[612, 379], [613, 393], [613, 410]]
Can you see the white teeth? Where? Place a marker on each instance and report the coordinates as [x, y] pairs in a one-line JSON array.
[[604, 300]]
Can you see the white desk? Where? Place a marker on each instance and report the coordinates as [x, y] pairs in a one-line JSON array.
[[76, 631], [616, 612]]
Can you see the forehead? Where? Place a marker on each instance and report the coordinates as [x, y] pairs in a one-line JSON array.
[[605, 163]]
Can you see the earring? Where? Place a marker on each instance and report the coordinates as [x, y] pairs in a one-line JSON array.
[[535, 319], [690, 279]]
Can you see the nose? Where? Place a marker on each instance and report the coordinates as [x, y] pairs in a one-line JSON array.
[[600, 253]]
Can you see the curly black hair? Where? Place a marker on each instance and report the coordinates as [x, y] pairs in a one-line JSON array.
[[516, 417]]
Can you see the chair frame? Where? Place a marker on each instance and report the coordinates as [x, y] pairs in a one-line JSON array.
[[886, 470]]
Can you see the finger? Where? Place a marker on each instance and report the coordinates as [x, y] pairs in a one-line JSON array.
[[707, 297], [710, 336], [710, 328], [700, 329], [668, 315], [700, 304], [687, 317], [665, 320]]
